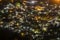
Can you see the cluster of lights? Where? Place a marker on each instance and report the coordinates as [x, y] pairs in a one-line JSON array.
[[33, 19]]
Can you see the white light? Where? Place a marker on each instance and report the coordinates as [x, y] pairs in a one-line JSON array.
[[58, 38], [32, 2]]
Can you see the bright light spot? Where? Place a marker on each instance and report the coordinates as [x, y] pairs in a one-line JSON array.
[[18, 5], [56, 1], [22, 34], [33, 2], [39, 8], [44, 29], [0, 0], [35, 30]]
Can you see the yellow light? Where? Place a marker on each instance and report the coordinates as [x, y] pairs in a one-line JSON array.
[[24, 1], [18, 5], [39, 8], [56, 1], [44, 29], [22, 34], [47, 18], [37, 18], [0, 0], [17, 24], [35, 30], [1, 22]]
